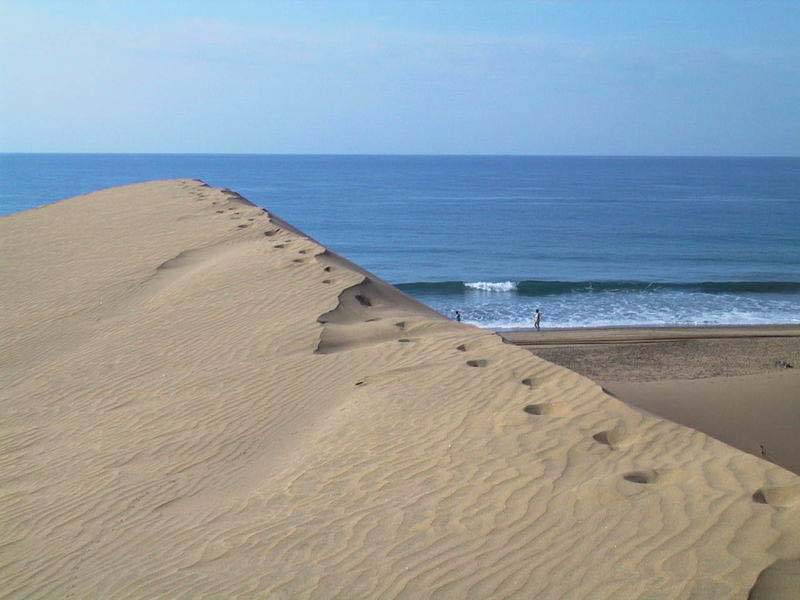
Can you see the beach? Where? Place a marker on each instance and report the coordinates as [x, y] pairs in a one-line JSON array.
[[199, 400]]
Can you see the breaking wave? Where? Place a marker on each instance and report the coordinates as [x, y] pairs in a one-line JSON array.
[[550, 288], [491, 286]]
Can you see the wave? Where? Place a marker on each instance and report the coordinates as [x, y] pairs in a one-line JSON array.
[[552, 288], [491, 286]]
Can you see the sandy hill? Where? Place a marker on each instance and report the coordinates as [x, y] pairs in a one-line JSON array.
[[199, 400]]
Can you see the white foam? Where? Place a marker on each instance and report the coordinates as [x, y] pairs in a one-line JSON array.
[[492, 286], [506, 311]]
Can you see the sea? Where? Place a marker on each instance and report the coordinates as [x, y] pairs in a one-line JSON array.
[[590, 241]]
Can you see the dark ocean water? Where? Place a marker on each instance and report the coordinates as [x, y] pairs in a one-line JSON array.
[[590, 241]]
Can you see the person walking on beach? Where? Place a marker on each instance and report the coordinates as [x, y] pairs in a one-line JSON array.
[[537, 319], [458, 316]]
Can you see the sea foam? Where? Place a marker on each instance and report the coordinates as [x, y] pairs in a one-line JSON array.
[[492, 286]]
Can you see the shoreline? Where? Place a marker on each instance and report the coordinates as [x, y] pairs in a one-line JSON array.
[[643, 333]]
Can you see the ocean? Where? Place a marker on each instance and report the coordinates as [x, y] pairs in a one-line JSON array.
[[591, 241]]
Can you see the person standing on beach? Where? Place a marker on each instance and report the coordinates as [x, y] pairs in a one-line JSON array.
[[458, 316], [537, 319]]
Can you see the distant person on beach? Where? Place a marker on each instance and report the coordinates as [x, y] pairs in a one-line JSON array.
[[537, 319], [458, 316]]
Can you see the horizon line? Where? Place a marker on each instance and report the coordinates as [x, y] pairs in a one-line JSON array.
[[403, 154]]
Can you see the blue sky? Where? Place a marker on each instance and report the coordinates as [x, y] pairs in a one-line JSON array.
[[546, 77]]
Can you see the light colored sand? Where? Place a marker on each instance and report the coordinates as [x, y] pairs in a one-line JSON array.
[[191, 408], [731, 382], [756, 413]]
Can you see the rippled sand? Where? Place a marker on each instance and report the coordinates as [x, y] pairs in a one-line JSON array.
[[198, 400]]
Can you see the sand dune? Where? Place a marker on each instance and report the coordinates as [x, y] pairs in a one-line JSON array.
[[737, 384], [198, 400], [759, 414]]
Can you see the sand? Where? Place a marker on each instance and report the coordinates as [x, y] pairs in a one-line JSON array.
[[656, 353], [200, 401], [740, 385]]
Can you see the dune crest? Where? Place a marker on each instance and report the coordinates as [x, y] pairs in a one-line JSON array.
[[199, 400]]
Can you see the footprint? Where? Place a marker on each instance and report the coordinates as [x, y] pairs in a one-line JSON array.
[[780, 496], [461, 348], [615, 438], [403, 340], [528, 381], [482, 362], [296, 260], [358, 383], [219, 212], [251, 219], [302, 252], [544, 408], [641, 477], [242, 226], [279, 246], [326, 281], [363, 300], [271, 232], [400, 324], [372, 320], [327, 269]]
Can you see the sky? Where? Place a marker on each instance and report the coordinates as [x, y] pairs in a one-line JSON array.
[[550, 77]]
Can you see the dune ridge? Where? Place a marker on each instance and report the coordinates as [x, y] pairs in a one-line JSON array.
[[199, 400]]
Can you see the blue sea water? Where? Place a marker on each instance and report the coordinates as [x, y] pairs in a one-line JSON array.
[[592, 241]]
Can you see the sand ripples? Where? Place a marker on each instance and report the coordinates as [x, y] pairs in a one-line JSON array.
[[251, 415]]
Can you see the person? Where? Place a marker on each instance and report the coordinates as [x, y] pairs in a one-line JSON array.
[[458, 316], [537, 319]]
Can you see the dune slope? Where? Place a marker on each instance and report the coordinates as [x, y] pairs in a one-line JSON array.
[[198, 400]]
